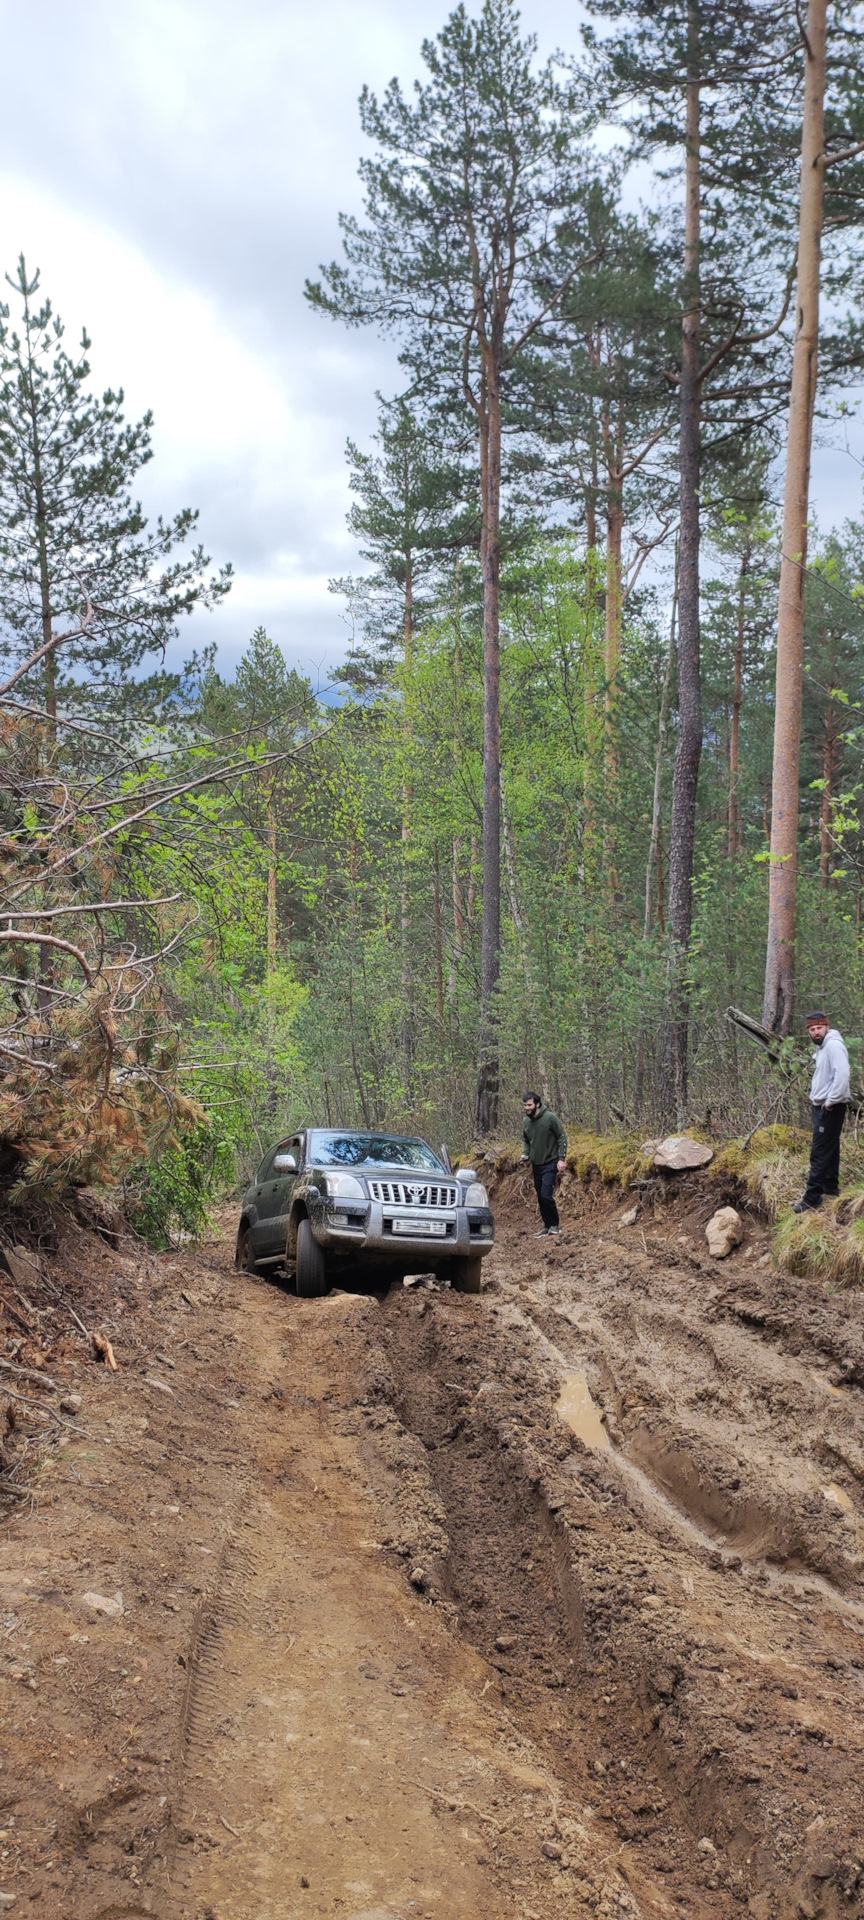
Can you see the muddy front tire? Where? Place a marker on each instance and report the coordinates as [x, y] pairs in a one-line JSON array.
[[244, 1258], [311, 1269], [465, 1274]]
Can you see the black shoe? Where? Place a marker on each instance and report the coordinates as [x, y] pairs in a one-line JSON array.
[[806, 1206]]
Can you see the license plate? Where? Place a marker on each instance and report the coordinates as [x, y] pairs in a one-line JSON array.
[[415, 1228]]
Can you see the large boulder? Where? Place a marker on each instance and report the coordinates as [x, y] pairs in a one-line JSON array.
[[724, 1232], [679, 1153]]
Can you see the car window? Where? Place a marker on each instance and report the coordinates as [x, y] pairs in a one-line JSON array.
[[266, 1166], [343, 1149]]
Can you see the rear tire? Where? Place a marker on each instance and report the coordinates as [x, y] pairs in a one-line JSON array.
[[311, 1275], [464, 1274], [244, 1258]]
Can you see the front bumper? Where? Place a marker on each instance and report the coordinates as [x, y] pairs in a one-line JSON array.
[[469, 1231]]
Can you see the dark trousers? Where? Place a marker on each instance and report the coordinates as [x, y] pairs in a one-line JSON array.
[[544, 1187], [824, 1175]]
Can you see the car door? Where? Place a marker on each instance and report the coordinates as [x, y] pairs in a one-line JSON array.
[[284, 1177], [266, 1236]]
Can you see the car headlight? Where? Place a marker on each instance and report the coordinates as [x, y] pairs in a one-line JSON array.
[[345, 1185], [476, 1195]]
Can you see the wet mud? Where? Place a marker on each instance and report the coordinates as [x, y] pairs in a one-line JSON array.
[[544, 1602]]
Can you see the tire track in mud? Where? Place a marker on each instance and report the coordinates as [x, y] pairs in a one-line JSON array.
[[684, 1659], [222, 1611]]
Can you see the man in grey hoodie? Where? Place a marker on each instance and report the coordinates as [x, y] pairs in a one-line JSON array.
[[829, 1093]]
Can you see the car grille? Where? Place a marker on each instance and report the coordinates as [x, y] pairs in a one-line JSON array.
[[399, 1193]]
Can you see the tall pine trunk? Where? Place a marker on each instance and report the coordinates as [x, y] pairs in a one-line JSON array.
[[272, 878], [829, 775], [778, 1007], [486, 1116], [737, 700], [407, 797], [683, 828], [612, 646]]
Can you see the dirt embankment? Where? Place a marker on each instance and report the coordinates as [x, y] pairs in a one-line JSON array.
[[396, 1641]]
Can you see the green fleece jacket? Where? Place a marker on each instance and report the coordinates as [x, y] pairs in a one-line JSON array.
[[545, 1138]]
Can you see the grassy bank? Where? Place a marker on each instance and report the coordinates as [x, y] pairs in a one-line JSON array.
[[770, 1172]]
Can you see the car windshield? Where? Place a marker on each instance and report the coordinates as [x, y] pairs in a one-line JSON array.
[[371, 1150]]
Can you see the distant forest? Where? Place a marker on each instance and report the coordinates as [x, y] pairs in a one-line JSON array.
[[596, 772]]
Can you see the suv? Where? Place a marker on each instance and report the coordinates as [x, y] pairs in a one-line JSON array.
[[329, 1200]]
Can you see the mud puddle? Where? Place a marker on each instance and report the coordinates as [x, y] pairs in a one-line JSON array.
[[576, 1408]]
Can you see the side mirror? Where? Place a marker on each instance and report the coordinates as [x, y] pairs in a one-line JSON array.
[[284, 1163], [465, 1176], [446, 1159]]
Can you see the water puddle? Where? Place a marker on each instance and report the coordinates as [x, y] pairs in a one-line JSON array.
[[837, 1497], [577, 1408]]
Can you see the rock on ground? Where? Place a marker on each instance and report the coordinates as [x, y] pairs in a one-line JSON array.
[[678, 1153], [724, 1232]]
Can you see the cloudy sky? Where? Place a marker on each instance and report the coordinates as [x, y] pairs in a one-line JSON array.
[[175, 169]]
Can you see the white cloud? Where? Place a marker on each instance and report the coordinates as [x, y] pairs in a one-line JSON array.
[[176, 168]]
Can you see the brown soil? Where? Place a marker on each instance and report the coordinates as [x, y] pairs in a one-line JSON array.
[[395, 1643]]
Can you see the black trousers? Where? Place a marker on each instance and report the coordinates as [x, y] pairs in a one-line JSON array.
[[824, 1175], [544, 1187]]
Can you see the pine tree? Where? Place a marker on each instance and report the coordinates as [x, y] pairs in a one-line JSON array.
[[415, 504], [465, 198], [76, 553]]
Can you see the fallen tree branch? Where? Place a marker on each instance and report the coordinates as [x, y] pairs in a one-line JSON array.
[[36, 1407], [754, 1031], [26, 1373]]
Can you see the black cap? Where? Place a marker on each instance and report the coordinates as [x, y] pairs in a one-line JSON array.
[[814, 1016]]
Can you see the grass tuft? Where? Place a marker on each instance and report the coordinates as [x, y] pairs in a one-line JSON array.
[[773, 1168], [617, 1157]]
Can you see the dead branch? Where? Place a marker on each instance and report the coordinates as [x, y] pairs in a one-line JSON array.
[[95, 906], [22, 936], [57, 640], [48, 1413], [754, 1031], [25, 1373], [63, 1301]]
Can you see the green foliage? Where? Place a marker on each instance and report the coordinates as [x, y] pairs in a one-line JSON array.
[[168, 1197]]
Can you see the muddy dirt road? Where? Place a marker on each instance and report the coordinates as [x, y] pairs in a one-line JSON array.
[[360, 1608]]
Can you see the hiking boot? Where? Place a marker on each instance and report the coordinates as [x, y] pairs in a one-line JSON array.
[[554, 1230], [542, 1234], [806, 1206]]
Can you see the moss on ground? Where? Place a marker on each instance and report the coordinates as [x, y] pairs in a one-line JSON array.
[[617, 1157]]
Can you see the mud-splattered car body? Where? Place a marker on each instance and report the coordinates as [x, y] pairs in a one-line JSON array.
[[371, 1201]]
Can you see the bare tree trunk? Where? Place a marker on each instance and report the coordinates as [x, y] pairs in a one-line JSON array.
[[41, 536], [272, 876], [518, 919], [439, 941], [407, 795], [737, 697], [458, 948], [683, 829], [829, 771], [779, 1003], [486, 1115], [614, 599], [662, 730]]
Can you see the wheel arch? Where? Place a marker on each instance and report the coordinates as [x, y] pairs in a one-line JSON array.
[[298, 1212]]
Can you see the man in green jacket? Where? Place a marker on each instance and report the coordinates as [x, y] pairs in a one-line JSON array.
[[546, 1148]]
